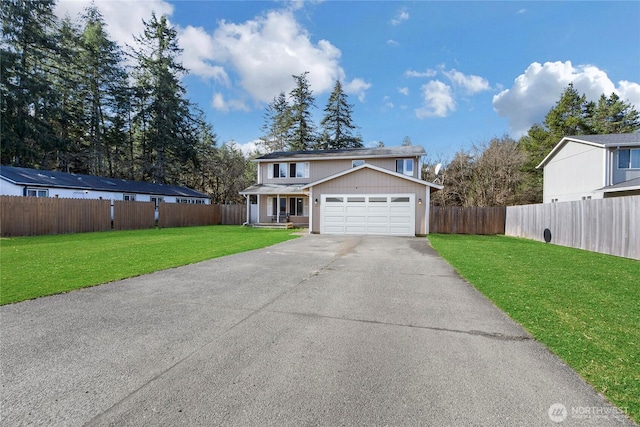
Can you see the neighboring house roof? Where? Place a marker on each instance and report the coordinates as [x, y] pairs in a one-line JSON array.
[[346, 153], [375, 168], [632, 184], [602, 141], [42, 178]]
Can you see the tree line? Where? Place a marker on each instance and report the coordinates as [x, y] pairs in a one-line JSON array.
[[74, 101], [503, 171]]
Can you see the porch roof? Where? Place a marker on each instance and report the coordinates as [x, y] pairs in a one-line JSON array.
[[630, 185], [275, 189]]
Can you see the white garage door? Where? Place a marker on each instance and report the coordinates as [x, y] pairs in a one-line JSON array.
[[383, 214]]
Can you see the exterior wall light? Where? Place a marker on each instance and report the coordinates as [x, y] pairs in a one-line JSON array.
[[419, 201]]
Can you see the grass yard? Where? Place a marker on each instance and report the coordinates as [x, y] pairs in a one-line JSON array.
[[584, 306], [32, 267]]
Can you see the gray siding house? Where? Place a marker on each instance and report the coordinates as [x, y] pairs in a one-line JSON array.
[[352, 191], [592, 167]]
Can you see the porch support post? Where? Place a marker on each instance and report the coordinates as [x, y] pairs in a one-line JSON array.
[[278, 208], [311, 206], [246, 197]]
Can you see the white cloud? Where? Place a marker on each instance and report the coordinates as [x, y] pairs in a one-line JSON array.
[[123, 19], [400, 17], [248, 148], [403, 90], [536, 91], [472, 84], [219, 103], [269, 49], [438, 100], [521, 11], [426, 73], [198, 47], [392, 42], [358, 87]]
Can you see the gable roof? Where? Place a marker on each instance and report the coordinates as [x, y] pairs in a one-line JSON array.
[[42, 178], [601, 141], [375, 168], [346, 153]]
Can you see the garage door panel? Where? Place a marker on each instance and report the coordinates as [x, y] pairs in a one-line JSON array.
[[379, 214]]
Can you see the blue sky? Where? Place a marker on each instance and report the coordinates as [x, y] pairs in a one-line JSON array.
[[445, 74]]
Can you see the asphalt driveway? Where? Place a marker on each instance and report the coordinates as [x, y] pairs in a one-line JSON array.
[[315, 331]]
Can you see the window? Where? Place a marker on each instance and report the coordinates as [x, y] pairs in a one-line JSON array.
[[629, 158], [273, 207], [355, 199], [32, 192], [278, 170], [399, 200], [296, 206], [404, 166], [295, 170], [191, 201], [586, 197], [334, 199], [129, 197], [356, 163], [377, 199], [299, 170]]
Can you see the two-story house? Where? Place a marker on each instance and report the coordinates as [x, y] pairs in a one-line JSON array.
[[592, 167], [351, 191]]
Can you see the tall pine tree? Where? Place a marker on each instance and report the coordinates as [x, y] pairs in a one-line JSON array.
[[337, 123], [28, 102], [302, 100], [166, 129]]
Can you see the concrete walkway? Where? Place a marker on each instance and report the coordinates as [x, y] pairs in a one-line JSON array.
[[316, 331]]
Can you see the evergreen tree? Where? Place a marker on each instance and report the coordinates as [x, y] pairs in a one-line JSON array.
[[28, 50], [166, 130], [104, 80], [337, 123], [277, 126], [302, 100], [570, 115], [612, 115]]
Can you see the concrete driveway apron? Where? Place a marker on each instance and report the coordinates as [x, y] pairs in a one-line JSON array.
[[317, 331]]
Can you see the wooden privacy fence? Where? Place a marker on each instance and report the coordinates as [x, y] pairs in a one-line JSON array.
[[34, 216], [472, 220], [609, 226], [132, 215], [186, 215]]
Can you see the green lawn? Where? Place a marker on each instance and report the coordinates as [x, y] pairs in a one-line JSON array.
[[584, 306], [31, 267]]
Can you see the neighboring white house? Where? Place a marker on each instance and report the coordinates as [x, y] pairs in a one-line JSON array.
[[592, 167], [15, 181], [347, 191]]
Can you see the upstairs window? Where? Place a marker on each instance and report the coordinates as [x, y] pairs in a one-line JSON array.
[[629, 158], [288, 170], [404, 166], [279, 170], [299, 170]]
